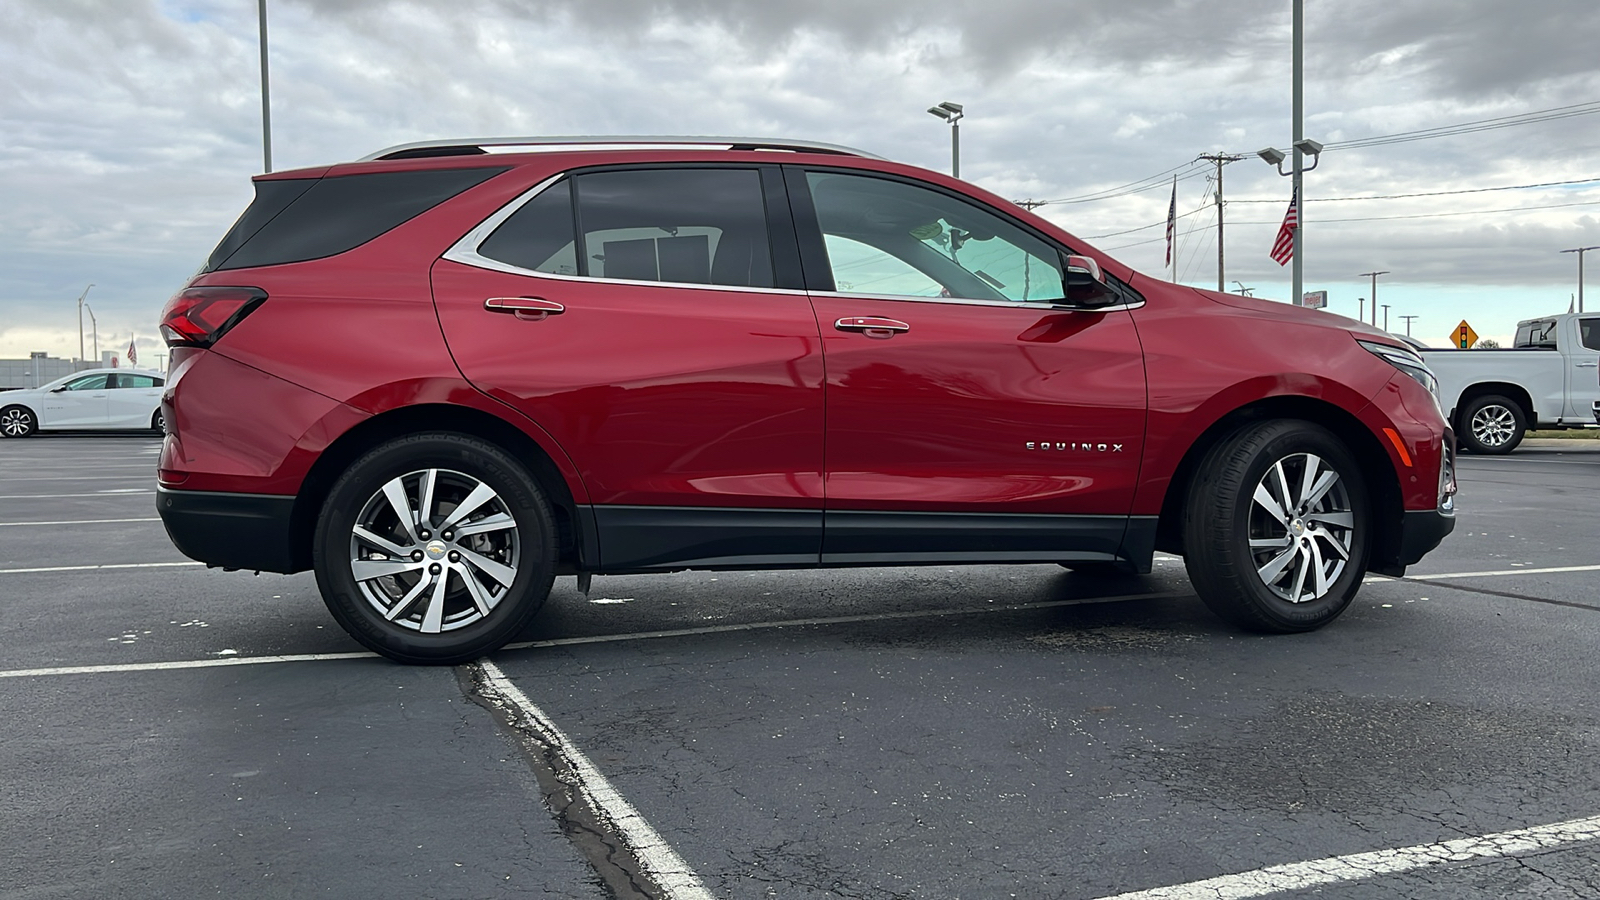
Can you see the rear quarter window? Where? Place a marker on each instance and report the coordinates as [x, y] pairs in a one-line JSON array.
[[299, 219]]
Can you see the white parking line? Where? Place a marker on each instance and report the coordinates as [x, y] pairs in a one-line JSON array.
[[148, 472], [1487, 574], [118, 492], [655, 855], [1358, 866], [80, 522], [157, 565], [118, 668]]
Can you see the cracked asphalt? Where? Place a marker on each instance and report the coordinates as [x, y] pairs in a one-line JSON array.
[[969, 732]]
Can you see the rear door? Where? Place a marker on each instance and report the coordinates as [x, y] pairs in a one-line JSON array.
[[80, 403], [132, 400], [968, 417], [652, 320]]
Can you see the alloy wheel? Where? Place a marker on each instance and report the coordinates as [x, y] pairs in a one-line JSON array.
[[1494, 425], [434, 550], [1302, 528], [16, 422]]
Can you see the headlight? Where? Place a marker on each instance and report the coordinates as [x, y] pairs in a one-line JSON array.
[[1407, 361]]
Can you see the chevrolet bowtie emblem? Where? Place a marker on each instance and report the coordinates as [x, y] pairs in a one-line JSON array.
[[1074, 446]]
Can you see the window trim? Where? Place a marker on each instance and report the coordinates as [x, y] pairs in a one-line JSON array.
[[780, 233], [819, 274]]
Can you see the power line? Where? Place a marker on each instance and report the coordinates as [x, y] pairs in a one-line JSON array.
[[1507, 187], [1527, 118]]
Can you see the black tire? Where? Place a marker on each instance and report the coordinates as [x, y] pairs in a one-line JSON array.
[[451, 624], [1491, 425], [158, 422], [1222, 517], [18, 422]]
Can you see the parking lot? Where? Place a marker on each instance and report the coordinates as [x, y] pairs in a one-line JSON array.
[[979, 732]]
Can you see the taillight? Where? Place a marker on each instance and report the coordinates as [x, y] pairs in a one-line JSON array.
[[197, 316]]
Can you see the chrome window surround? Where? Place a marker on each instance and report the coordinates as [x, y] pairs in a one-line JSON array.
[[465, 251], [622, 142]]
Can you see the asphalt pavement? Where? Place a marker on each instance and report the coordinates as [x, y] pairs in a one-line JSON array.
[[949, 732]]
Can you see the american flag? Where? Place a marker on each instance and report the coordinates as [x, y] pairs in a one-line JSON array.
[[1283, 247], [1172, 218], [133, 353]]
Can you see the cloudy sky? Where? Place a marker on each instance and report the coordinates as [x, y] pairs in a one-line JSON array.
[[129, 129]]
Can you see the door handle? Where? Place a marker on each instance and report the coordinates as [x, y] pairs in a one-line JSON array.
[[872, 326], [528, 309], [1588, 365]]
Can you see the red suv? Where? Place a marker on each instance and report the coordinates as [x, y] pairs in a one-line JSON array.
[[449, 372]]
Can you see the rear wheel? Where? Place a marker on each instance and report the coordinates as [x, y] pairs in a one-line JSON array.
[[17, 421], [1275, 533], [1492, 424], [158, 422], [435, 548]]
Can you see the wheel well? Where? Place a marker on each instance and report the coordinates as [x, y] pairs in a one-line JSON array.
[[1513, 392], [1382, 481], [431, 417]]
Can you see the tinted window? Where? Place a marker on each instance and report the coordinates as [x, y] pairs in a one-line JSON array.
[[966, 250], [1538, 333], [133, 381], [333, 215], [538, 235], [1589, 333], [271, 198], [694, 226]]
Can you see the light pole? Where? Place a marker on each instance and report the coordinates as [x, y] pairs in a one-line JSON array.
[[1361, 311], [1245, 291], [1408, 324], [96, 327], [950, 112], [266, 102], [81, 357], [1302, 145], [1386, 317], [1580, 251], [1374, 277]]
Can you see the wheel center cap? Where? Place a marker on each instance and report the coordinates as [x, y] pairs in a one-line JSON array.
[[435, 549], [1298, 526]]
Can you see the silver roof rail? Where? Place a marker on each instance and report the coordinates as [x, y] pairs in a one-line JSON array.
[[464, 146]]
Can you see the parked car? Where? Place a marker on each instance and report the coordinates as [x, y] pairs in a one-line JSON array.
[[440, 377], [1547, 379], [94, 399]]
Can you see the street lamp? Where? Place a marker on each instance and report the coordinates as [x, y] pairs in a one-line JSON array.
[[1408, 324], [85, 293], [1580, 251], [266, 100], [1374, 277], [1301, 145], [96, 327], [1386, 317], [1361, 311], [951, 112]]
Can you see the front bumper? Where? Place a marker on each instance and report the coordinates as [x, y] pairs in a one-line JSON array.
[[1421, 531], [234, 531]]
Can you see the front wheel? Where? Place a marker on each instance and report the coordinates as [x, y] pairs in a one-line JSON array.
[[435, 549], [17, 421], [1275, 533], [1492, 424]]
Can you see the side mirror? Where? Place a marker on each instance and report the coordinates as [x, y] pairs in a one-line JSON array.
[[1085, 284], [58, 390]]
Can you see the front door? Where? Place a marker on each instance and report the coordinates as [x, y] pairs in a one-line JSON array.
[[80, 403], [637, 316], [1583, 364], [968, 417]]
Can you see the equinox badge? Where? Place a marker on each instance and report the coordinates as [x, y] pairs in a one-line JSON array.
[[1069, 445]]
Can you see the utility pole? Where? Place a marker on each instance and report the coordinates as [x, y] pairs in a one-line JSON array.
[[1030, 205], [1386, 317], [1361, 311], [1245, 291], [266, 102], [1408, 324], [1374, 277], [81, 357], [1580, 251], [1220, 160]]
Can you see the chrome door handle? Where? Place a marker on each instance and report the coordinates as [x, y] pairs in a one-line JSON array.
[[528, 309], [1590, 365], [872, 326]]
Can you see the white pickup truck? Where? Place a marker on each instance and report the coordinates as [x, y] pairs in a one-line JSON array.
[[1550, 378]]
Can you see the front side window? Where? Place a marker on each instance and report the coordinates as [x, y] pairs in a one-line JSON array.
[[881, 235], [88, 383], [688, 226]]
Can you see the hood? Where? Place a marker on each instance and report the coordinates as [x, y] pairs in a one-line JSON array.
[[1288, 312]]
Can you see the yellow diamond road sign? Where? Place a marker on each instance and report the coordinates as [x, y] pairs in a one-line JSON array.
[[1464, 337]]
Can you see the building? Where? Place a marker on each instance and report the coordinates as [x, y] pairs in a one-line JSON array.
[[42, 368]]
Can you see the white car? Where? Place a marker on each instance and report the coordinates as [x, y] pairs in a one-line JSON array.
[[94, 399]]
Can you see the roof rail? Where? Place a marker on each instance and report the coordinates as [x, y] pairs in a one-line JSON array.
[[477, 146]]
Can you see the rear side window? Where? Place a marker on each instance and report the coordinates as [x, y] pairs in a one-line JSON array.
[[134, 381], [1589, 333], [690, 226], [297, 220], [538, 236]]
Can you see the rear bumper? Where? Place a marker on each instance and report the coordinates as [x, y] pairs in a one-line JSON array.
[[234, 531], [1421, 531]]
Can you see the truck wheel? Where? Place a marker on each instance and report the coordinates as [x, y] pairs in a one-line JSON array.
[[435, 549], [1275, 530], [1492, 424]]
